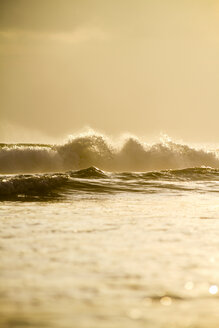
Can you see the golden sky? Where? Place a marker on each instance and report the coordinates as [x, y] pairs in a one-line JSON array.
[[142, 66]]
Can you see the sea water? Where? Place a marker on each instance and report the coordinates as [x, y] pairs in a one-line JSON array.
[[94, 235]]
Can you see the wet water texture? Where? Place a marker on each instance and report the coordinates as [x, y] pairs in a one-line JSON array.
[[97, 235], [121, 259]]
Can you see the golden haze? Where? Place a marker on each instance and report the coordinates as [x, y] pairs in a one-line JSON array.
[[140, 66]]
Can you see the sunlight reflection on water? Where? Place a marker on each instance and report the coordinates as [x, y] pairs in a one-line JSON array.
[[110, 260]]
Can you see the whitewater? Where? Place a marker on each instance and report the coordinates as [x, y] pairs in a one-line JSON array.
[[104, 233], [93, 149]]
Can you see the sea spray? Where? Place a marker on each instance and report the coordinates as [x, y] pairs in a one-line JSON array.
[[93, 149]]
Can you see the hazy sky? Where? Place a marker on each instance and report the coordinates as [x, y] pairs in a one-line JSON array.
[[143, 66]]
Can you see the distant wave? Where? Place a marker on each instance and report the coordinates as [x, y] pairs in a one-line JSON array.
[[95, 180], [87, 150]]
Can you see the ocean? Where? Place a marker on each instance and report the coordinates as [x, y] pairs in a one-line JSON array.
[[96, 233]]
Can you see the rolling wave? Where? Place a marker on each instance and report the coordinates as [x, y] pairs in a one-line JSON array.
[[98, 181], [87, 150]]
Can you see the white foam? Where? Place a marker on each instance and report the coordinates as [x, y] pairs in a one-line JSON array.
[[93, 149]]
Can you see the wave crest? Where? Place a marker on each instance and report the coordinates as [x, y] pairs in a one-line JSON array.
[[96, 150], [97, 181]]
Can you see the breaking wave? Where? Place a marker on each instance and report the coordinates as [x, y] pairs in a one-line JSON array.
[[86, 150]]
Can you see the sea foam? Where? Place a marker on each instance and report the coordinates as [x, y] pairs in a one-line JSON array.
[[82, 151]]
